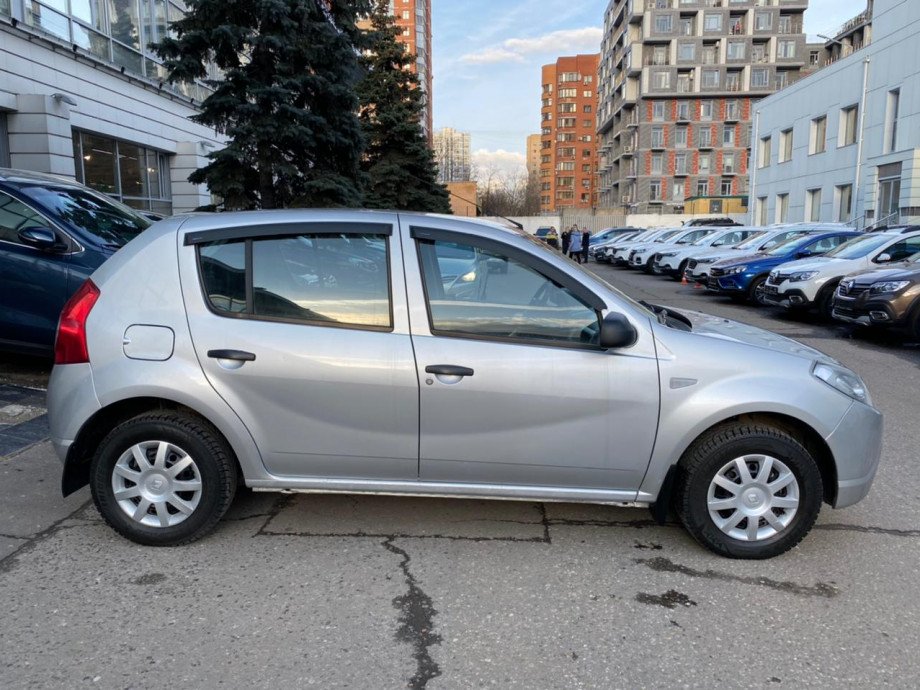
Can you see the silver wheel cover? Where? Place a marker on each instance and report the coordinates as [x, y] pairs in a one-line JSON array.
[[156, 484], [753, 497]]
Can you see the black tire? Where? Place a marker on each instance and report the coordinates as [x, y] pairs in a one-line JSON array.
[[755, 289], [681, 270], [213, 458], [711, 453], [648, 265], [825, 301]]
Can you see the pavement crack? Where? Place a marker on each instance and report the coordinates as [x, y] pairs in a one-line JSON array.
[[372, 535], [416, 619], [870, 530], [284, 500], [8, 562], [665, 565]]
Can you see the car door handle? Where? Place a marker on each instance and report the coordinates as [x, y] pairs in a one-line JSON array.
[[448, 370], [234, 355]]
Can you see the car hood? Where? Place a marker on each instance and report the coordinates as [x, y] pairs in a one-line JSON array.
[[747, 258], [817, 263], [904, 270], [709, 326]]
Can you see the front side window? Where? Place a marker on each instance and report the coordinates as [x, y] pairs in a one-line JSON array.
[[319, 279], [480, 293]]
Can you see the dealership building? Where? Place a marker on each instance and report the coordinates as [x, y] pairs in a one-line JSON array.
[[844, 143], [81, 96]]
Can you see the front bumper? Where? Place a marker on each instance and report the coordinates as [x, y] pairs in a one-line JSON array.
[[856, 445], [729, 285], [790, 299]]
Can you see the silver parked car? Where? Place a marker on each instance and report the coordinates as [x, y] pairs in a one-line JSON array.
[[342, 351]]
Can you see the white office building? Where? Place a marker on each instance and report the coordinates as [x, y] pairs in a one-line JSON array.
[[844, 143], [81, 96]]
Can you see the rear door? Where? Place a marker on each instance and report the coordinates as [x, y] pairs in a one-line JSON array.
[[302, 328], [515, 390]]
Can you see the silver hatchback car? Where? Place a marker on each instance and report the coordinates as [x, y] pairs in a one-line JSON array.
[[347, 351]]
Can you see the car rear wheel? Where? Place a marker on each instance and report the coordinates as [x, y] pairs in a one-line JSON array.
[[748, 491], [163, 478]]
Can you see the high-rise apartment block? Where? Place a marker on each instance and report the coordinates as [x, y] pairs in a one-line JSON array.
[[413, 18], [568, 150], [678, 84], [453, 154], [533, 155]]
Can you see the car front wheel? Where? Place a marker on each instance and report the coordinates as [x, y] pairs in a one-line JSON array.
[[748, 491], [163, 478]]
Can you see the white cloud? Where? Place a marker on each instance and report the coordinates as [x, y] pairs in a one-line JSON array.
[[566, 42], [498, 164]]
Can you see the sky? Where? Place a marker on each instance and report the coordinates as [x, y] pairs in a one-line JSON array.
[[488, 55]]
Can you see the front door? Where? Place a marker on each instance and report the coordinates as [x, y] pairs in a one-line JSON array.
[[515, 390], [302, 331]]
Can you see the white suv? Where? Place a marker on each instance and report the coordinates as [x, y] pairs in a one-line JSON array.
[[811, 282], [641, 256], [673, 260], [620, 253]]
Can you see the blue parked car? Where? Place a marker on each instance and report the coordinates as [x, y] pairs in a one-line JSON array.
[[743, 278], [53, 234]]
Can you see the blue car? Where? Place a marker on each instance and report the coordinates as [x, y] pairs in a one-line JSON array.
[[53, 234], [742, 278]]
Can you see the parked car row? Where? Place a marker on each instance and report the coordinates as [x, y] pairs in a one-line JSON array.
[[865, 278]]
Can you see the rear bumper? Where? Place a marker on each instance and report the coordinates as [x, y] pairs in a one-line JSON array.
[[72, 401], [856, 444]]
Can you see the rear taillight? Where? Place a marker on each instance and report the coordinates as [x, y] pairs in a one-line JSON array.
[[70, 346]]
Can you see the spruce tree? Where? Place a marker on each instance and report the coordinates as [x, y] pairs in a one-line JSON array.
[[286, 99], [398, 165]]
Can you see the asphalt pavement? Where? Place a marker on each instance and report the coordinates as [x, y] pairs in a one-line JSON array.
[[378, 592]]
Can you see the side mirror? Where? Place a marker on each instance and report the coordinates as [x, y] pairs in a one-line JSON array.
[[883, 258], [804, 254], [617, 332], [40, 238]]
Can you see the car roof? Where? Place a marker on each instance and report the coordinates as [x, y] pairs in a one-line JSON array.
[[28, 177]]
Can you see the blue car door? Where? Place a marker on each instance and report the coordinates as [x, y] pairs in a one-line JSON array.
[[33, 282]]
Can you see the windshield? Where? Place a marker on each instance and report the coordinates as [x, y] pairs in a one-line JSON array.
[[858, 247], [752, 242], [112, 222], [667, 235], [695, 237]]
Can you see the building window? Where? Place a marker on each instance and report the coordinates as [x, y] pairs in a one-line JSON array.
[[663, 24], [706, 111], [712, 22], [725, 188], [728, 163], [705, 137], [680, 164], [702, 188], [678, 193], [760, 78], [813, 205], [657, 137], [654, 190], [705, 163], [732, 110], [785, 49], [686, 26], [728, 136], [763, 153], [135, 175], [891, 121], [782, 207], [686, 52], [848, 118], [763, 21], [785, 145], [658, 111], [680, 138], [711, 78], [762, 210], [736, 50], [844, 202], [661, 81], [818, 143], [657, 166]]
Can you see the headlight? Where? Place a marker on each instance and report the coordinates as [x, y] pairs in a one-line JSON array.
[[736, 270], [889, 286], [802, 276], [667, 254], [843, 380], [705, 261]]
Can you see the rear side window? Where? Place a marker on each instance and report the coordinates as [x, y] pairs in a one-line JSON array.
[[16, 216], [323, 279]]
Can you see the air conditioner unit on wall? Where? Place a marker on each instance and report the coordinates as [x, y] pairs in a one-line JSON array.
[[626, 199]]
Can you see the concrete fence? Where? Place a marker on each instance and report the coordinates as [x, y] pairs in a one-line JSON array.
[[595, 222]]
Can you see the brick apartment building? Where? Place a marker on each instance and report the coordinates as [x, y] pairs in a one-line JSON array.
[[413, 17], [678, 86], [568, 150]]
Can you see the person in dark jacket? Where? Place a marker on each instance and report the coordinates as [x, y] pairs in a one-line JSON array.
[[566, 239], [585, 243]]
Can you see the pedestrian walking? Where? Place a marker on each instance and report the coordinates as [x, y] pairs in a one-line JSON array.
[[575, 245], [566, 239], [585, 243]]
